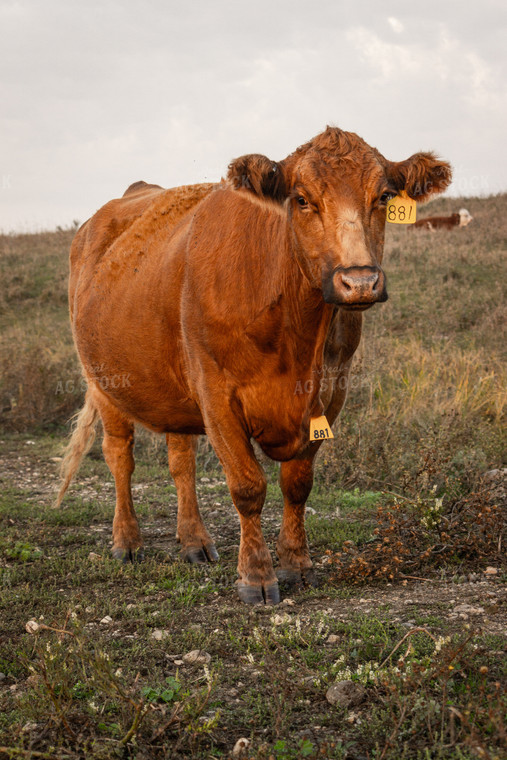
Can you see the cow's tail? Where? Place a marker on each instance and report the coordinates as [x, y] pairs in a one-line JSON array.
[[81, 441]]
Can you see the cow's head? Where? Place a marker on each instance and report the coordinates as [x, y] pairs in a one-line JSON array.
[[336, 189], [465, 217]]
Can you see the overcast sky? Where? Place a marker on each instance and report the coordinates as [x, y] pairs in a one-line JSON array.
[[96, 94]]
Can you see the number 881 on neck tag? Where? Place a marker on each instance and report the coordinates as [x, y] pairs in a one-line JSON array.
[[401, 210], [320, 429]]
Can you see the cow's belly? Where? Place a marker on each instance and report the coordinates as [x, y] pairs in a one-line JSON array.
[[143, 390], [137, 363]]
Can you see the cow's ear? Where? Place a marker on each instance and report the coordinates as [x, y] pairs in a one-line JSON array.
[[421, 176], [258, 175]]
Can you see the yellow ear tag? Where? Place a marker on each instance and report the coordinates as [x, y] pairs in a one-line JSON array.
[[401, 209], [320, 429]]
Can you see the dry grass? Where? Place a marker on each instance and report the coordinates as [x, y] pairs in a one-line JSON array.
[[40, 383]]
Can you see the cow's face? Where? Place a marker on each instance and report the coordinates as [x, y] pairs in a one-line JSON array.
[[336, 189], [465, 217]]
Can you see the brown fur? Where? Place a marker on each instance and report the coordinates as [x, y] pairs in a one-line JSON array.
[[234, 310]]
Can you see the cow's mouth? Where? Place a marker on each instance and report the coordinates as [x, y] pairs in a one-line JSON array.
[[356, 306]]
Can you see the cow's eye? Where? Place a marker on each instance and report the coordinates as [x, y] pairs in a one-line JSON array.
[[302, 202], [387, 196]]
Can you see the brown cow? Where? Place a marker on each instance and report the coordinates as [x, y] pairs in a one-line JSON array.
[[220, 309], [433, 223]]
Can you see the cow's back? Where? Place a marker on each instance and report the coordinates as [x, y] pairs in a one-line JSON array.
[[143, 207]]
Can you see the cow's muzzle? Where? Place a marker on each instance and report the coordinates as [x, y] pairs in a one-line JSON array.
[[355, 287]]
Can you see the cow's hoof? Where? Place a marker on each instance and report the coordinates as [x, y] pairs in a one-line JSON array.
[[128, 555], [272, 594], [297, 578], [310, 577], [290, 578], [259, 594], [213, 555], [200, 555]]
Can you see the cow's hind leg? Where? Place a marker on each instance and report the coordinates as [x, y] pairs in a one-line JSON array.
[[196, 544], [296, 481], [117, 447]]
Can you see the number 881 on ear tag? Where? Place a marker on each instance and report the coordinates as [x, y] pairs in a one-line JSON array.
[[401, 210], [320, 429]]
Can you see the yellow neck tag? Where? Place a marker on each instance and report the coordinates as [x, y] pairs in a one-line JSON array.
[[320, 429], [401, 210]]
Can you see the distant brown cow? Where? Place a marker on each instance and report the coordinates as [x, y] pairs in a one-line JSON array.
[[234, 310], [433, 223]]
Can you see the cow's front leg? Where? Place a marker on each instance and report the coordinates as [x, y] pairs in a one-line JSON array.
[[296, 481], [296, 475], [196, 543], [257, 582]]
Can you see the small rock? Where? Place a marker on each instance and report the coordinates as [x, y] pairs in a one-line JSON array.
[[158, 634], [32, 626], [345, 694], [196, 657], [280, 619], [94, 557], [241, 747], [56, 459], [467, 609], [28, 727], [290, 602], [2, 676], [491, 571], [107, 620], [333, 638], [310, 511], [491, 475], [178, 662]]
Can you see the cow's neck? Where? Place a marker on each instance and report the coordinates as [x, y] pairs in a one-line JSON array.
[[307, 315], [288, 313]]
